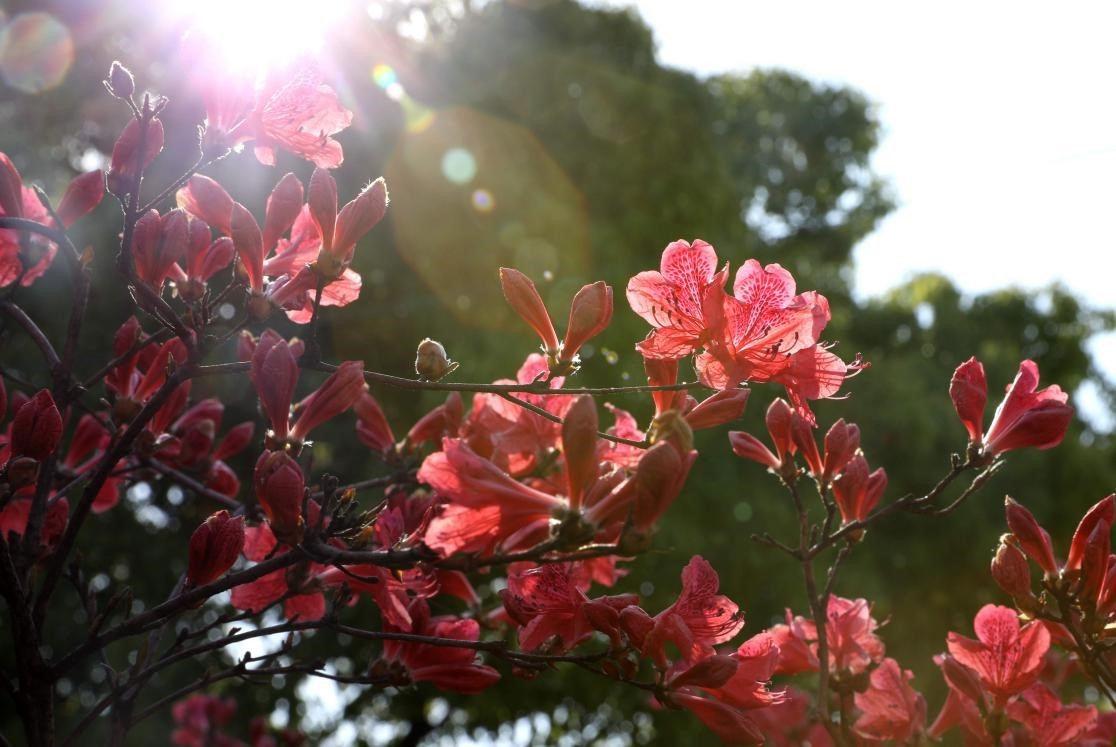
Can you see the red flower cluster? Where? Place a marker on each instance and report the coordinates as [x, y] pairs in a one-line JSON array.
[[762, 332], [302, 244]]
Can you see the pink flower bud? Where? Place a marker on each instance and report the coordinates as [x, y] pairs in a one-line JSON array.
[[523, 297], [126, 157], [159, 242], [969, 391], [749, 447], [373, 429], [235, 441], [280, 489], [717, 409], [1032, 538], [443, 420], [1010, 569], [322, 199], [358, 218], [336, 395], [120, 81], [590, 314], [283, 206], [841, 442], [214, 547], [962, 679], [274, 371], [637, 624], [207, 200], [579, 448], [802, 434], [1094, 561], [84, 193], [1106, 599], [36, 428], [246, 236], [778, 419], [856, 491], [1103, 512]]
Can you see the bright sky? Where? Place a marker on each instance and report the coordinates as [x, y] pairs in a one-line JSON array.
[[999, 126]]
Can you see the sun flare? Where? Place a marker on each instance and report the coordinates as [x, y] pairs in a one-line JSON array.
[[251, 36]]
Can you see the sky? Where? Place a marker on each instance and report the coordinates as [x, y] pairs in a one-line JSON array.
[[999, 127]]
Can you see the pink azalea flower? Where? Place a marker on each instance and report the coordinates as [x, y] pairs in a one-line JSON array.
[[680, 301], [1005, 657], [890, 708], [1049, 722], [699, 619]]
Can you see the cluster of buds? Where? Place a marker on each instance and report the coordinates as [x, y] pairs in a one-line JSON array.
[[1086, 580], [274, 370], [841, 467]]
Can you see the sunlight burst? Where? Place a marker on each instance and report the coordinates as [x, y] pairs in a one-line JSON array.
[[254, 35]]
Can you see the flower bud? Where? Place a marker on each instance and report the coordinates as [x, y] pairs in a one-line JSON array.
[[207, 200], [1104, 511], [802, 434], [636, 624], [841, 442], [280, 489], [1010, 569], [579, 448], [1094, 563], [717, 409], [126, 157], [120, 82], [283, 206], [321, 197], [590, 314], [431, 361], [969, 391], [84, 193], [962, 679], [358, 218], [36, 428], [274, 372], [246, 236], [336, 395], [778, 419], [373, 429], [1032, 538], [214, 547], [524, 298], [749, 447]]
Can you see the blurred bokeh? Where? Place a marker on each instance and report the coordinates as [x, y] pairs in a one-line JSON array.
[[546, 135]]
